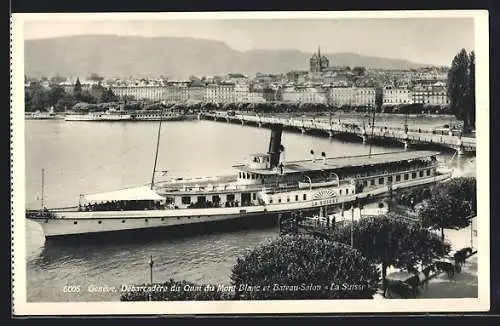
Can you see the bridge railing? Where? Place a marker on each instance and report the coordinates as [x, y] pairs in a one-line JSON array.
[[421, 135]]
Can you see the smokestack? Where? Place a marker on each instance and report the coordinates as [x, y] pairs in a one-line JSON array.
[[312, 156], [275, 144], [282, 154], [324, 157]]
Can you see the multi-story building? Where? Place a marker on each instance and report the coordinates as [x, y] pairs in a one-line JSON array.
[[296, 76], [364, 96], [431, 94], [174, 93], [150, 92], [220, 93], [241, 91], [393, 96], [339, 96], [256, 97], [196, 93], [304, 94]]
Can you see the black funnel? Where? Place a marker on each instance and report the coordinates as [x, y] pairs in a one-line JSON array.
[[275, 144]]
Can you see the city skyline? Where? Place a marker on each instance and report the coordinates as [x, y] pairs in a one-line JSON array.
[[432, 41]]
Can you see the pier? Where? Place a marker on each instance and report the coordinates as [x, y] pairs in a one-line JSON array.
[[404, 136]]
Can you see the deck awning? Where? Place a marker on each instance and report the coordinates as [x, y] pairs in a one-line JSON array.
[[138, 193]]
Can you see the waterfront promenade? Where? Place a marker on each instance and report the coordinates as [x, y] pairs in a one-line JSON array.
[[365, 133]]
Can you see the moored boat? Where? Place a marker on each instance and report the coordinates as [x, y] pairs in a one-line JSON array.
[[157, 115], [263, 187], [109, 115]]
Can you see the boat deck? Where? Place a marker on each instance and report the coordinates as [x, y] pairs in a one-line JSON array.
[[343, 162]]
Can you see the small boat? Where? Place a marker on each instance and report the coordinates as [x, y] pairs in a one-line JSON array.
[[109, 115], [39, 115]]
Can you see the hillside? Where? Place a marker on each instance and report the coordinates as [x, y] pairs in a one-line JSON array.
[[121, 56]]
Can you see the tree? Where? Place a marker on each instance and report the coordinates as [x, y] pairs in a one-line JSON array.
[[300, 267], [450, 205], [378, 98], [66, 102], [460, 90], [472, 89], [54, 94], [108, 96], [77, 90], [360, 71], [391, 241], [37, 100]]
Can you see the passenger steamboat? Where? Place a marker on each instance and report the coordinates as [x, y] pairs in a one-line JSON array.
[[109, 115], [157, 115], [261, 188]]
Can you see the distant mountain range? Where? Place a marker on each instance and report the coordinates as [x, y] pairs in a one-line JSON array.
[[122, 56]]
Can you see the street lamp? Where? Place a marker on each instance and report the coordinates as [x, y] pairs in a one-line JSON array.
[[151, 263], [352, 221]]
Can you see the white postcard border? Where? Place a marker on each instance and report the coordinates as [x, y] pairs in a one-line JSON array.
[[22, 307]]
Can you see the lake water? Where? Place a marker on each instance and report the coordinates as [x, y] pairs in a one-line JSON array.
[[86, 157]]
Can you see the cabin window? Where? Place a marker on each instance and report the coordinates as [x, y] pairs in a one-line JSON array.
[[296, 197], [202, 199], [380, 181], [239, 175], [365, 183], [279, 200], [230, 197], [305, 196], [75, 222], [254, 196], [270, 201], [347, 191], [389, 178], [428, 172], [340, 192], [414, 175], [288, 199], [186, 200], [406, 176], [398, 178], [248, 175], [421, 173], [372, 182], [215, 198]]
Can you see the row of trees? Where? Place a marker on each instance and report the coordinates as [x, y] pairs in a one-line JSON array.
[[37, 97]]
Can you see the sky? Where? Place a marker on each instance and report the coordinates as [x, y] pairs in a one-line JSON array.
[[422, 40]]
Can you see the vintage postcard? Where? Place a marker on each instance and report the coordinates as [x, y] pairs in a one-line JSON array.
[[263, 162]]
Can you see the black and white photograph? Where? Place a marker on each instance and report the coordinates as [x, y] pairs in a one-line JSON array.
[[272, 162]]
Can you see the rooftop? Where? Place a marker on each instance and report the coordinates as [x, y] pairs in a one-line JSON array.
[[333, 163]]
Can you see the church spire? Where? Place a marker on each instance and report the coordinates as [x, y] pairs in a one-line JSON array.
[[319, 58]]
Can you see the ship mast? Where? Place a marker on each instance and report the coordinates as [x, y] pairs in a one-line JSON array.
[[373, 123], [157, 147], [43, 186]]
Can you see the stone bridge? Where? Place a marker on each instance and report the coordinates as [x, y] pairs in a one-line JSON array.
[[407, 137]]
